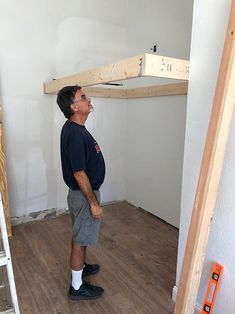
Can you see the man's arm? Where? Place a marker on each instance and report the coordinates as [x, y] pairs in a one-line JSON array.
[[85, 186]]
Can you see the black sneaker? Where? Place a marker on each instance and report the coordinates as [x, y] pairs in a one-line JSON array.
[[90, 269], [85, 292]]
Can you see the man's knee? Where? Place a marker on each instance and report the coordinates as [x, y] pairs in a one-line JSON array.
[[77, 247]]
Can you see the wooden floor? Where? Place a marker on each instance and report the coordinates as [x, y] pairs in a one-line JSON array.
[[137, 254]]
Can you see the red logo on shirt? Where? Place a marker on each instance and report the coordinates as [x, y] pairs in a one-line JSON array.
[[98, 150]]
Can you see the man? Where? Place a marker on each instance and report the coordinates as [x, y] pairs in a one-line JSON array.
[[83, 171]]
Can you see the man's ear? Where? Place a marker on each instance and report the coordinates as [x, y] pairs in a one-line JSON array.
[[73, 107]]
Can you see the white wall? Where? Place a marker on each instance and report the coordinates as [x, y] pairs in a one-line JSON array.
[[48, 39], [41, 40], [209, 28], [156, 126]]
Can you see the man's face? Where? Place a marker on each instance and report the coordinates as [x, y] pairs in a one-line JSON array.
[[82, 103]]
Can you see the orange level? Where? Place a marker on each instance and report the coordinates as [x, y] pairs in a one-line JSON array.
[[212, 289]]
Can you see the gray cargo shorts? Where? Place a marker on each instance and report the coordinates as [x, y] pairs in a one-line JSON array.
[[85, 227]]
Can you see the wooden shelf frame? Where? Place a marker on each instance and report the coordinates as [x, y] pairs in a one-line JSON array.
[[140, 92], [139, 66]]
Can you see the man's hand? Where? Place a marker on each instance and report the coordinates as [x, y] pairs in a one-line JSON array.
[[96, 211], [85, 186]]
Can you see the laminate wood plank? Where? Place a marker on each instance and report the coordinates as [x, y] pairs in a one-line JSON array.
[[136, 252], [133, 290], [138, 257], [31, 279], [43, 291], [56, 265], [26, 300]]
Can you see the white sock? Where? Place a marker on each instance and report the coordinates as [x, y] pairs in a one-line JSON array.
[[76, 278]]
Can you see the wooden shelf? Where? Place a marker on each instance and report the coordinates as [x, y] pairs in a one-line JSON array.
[[138, 66], [149, 91]]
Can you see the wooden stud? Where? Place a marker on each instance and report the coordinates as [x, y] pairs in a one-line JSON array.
[[3, 179], [142, 65], [154, 65], [149, 91], [121, 70], [104, 92], [216, 141], [158, 90]]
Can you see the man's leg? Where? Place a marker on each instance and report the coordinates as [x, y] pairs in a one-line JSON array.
[[78, 254], [80, 290], [77, 260]]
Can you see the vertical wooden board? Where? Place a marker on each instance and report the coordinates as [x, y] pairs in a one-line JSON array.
[[208, 183], [3, 179]]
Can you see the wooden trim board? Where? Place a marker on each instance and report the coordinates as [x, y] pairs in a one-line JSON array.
[[208, 183], [3, 179], [138, 66]]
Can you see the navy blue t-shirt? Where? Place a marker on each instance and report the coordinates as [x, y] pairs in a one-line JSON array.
[[80, 151]]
